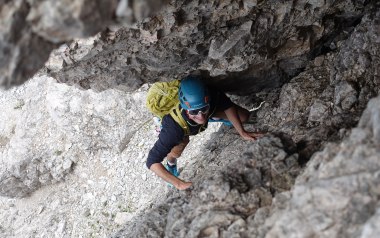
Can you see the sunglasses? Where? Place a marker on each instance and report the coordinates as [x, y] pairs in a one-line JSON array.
[[203, 110]]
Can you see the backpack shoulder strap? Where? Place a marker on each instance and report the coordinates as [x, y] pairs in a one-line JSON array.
[[177, 116]]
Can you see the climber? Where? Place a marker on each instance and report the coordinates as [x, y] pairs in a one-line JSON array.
[[198, 104]]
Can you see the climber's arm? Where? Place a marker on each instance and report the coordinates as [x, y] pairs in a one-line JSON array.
[[237, 115], [161, 172], [171, 133]]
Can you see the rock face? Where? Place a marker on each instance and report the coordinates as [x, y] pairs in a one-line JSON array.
[[31, 29], [337, 195], [244, 46], [44, 136], [103, 139], [313, 66], [230, 189], [242, 195], [329, 94]]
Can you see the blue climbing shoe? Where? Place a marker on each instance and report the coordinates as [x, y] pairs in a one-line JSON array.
[[172, 169], [225, 122]]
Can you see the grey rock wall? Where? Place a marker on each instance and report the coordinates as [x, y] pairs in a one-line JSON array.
[[337, 195], [49, 127], [77, 159], [240, 46], [330, 94], [229, 188], [250, 190], [313, 64], [31, 29], [247, 195]]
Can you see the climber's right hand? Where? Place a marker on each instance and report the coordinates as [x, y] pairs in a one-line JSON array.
[[183, 185]]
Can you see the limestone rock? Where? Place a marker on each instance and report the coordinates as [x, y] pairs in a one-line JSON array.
[[243, 45], [48, 134], [222, 198], [31, 29], [337, 193], [77, 156]]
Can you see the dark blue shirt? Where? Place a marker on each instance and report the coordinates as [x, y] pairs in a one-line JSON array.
[[172, 133]]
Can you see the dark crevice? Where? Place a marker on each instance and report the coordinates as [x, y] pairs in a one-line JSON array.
[[260, 76], [253, 80], [289, 146], [306, 149], [343, 26], [180, 17]]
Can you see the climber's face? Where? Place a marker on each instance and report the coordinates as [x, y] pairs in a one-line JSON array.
[[200, 115], [199, 118]]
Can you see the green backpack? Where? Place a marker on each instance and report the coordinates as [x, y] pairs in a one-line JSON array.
[[162, 99]]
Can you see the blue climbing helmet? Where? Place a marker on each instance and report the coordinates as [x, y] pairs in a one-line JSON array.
[[193, 94]]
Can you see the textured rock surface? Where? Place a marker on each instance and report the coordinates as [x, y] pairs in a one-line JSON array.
[[330, 94], [313, 64], [337, 195], [314, 107], [229, 188], [107, 182], [244, 45], [31, 29], [45, 135], [242, 195], [22, 51]]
